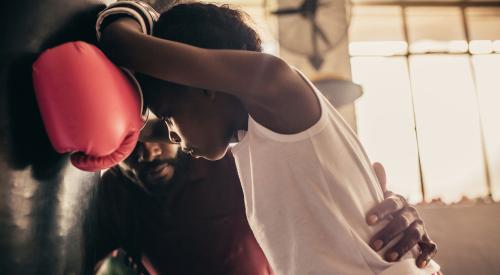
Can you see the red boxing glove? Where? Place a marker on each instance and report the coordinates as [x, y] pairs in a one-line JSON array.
[[89, 107]]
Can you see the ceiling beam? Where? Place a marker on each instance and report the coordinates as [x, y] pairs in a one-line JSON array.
[[413, 3]]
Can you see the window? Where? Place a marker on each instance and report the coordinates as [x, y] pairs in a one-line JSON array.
[[384, 120], [431, 98], [448, 126], [437, 29]]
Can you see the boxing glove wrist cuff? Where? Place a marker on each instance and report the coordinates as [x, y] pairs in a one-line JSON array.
[[144, 109], [143, 13]]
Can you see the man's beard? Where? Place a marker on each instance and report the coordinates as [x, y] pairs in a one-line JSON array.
[[161, 185], [148, 172]]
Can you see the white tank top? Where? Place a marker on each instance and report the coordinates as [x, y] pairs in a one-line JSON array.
[[306, 196]]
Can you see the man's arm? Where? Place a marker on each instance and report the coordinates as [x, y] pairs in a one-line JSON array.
[[99, 238], [404, 219]]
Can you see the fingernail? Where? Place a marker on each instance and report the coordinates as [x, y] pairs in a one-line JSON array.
[[423, 264], [372, 219], [377, 245], [392, 256]]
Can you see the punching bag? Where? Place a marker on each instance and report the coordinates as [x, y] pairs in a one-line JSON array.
[[42, 196]]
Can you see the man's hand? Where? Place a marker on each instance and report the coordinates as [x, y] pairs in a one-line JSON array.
[[403, 219]]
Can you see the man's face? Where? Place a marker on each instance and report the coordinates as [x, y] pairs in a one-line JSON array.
[[153, 163]]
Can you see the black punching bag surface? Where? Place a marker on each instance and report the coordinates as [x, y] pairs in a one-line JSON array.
[[42, 197]]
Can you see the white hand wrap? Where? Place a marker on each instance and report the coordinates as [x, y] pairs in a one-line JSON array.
[[143, 13]]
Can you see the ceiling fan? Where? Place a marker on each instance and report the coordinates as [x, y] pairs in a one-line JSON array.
[[312, 27]]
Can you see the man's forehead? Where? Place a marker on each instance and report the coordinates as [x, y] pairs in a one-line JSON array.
[[155, 131]]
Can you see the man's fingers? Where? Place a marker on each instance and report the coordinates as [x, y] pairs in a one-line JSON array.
[[428, 251], [385, 209], [412, 236], [399, 224], [381, 176], [423, 260]]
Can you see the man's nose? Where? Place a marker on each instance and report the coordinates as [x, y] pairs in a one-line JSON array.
[[152, 150]]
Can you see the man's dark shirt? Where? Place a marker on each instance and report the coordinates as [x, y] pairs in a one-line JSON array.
[[196, 227]]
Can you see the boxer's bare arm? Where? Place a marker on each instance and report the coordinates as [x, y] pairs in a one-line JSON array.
[[268, 86]]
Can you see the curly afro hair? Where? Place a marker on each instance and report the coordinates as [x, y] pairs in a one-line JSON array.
[[208, 26]]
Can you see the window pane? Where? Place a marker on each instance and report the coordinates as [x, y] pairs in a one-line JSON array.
[[436, 29], [376, 31], [484, 28], [448, 127], [484, 23], [376, 24], [385, 121], [488, 84]]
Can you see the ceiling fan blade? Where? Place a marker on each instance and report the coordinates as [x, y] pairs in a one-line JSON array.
[[316, 59], [287, 11], [314, 37], [321, 34]]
